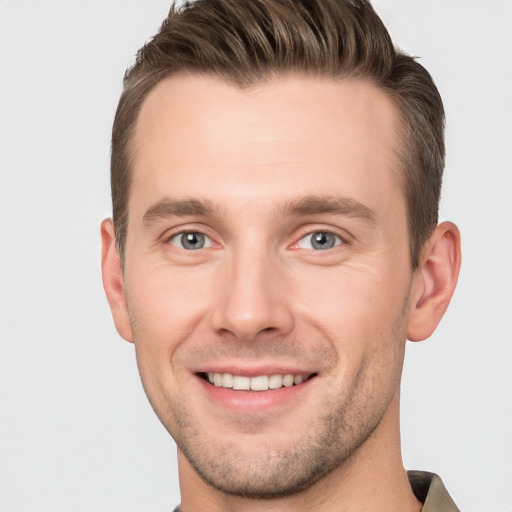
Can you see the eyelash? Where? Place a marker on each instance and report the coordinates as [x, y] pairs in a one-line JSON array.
[[339, 240], [208, 240]]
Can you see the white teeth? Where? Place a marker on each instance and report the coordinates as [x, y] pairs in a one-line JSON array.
[[217, 379], [227, 380], [288, 381], [240, 382], [275, 381], [258, 383]]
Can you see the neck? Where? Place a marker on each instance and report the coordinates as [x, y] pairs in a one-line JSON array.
[[373, 478]]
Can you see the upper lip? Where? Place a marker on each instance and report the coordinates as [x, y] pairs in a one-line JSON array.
[[253, 371]]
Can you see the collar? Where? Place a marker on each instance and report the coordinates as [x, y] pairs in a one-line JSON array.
[[430, 490]]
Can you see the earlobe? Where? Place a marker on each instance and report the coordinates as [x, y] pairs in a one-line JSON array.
[[435, 281], [113, 283]]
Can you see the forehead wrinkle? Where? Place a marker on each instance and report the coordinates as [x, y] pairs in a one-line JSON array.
[[168, 207], [320, 204]]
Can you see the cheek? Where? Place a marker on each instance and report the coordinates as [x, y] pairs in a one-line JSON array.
[[165, 309], [360, 312], [167, 305], [348, 295]]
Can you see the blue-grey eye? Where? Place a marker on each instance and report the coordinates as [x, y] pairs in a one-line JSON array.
[[190, 241], [320, 241]]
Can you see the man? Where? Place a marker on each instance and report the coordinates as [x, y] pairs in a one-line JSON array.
[[276, 171]]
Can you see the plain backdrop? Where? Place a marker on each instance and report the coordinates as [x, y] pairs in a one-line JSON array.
[[76, 431]]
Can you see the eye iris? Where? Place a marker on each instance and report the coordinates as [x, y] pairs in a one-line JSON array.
[[192, 240], [323, 241]]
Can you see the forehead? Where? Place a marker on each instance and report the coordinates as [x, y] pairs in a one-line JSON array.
[[196, 134]]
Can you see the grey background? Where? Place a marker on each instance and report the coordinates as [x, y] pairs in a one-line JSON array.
[[76, 432]]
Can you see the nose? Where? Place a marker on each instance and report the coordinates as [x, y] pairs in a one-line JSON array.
[[253, 298]]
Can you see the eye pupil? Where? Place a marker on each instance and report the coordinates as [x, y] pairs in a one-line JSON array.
[[192, 240], [323, 240]]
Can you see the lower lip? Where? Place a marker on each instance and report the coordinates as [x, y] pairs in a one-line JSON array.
[[253, 401]]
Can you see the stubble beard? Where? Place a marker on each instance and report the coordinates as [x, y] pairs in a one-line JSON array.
[[328, 442], [340, 424], [266, 474]]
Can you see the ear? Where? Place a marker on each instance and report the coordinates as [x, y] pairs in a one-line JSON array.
[[434, 281], [113, 282]]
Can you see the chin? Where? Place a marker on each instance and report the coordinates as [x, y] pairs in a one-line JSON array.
[[268, 475], [259, 468]]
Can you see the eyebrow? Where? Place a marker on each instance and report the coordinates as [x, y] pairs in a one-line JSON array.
[[178, 208], [338, 205], [308, 205]]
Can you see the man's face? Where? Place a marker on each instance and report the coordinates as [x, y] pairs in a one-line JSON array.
[[267, 245]]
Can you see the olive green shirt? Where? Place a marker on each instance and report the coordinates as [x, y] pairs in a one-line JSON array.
[[429, 489]]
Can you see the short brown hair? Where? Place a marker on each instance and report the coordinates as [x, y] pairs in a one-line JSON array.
[[248, 41]]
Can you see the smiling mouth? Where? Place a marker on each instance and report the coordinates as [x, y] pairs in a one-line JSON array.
[[258, 383]]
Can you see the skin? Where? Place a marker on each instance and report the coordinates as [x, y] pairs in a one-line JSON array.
[[260, 298]]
